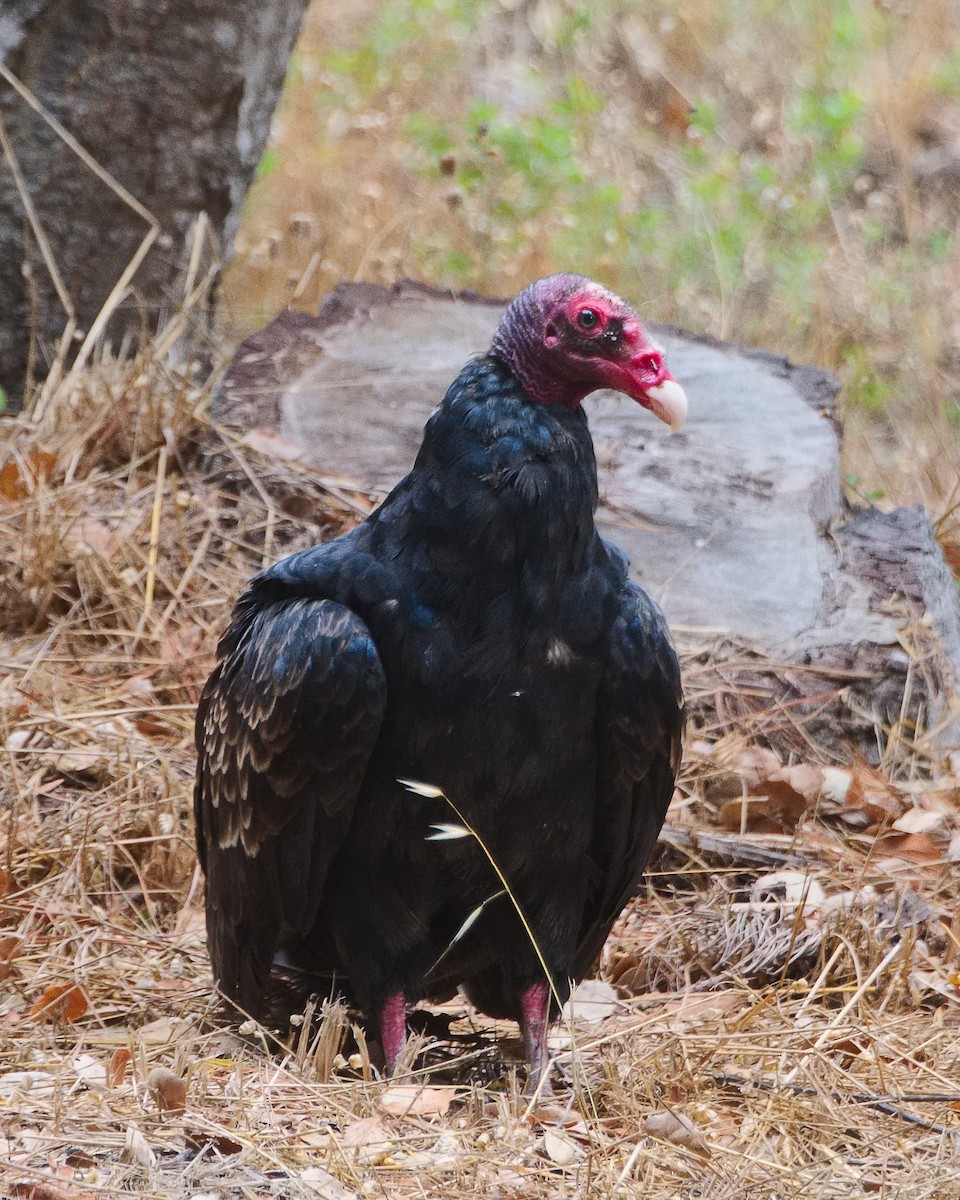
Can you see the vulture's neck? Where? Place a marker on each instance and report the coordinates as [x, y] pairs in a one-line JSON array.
[[504, 488]]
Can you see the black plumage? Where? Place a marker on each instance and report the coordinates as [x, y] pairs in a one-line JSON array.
[[474, 633]]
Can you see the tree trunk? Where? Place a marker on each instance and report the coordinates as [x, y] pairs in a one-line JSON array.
[[173, 99]]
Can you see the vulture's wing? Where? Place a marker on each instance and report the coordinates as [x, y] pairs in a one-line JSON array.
[[639, 727], [285, 728]]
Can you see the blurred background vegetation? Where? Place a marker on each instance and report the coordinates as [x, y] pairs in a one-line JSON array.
[[784, 173]]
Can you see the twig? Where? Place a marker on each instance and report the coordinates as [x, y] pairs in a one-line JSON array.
[[881, 1104]]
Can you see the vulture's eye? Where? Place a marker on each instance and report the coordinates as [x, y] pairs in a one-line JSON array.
[[588, 318]]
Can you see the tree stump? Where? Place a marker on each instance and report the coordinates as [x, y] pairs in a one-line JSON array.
[[800, 618], [173, 99]]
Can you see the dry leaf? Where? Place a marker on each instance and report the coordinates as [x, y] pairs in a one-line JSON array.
[[86, 762], [117, 1067], [590, 1002], [18, 1083], [41, 1191], [773, 813], [327, 1186], [169, 1090], [911, 847], [918, 820], [861, 797], [91, 1070], [560, 1116], [136, 1150], [925, 983], [741, 773], [674, 1126], [369, 1138], [413, 1100], [271, 444], [61, 1002], [20, 476], [789, 887], [804, 779], [199, 1139], [161, 1031], [152, 725], [560, 1149], [79, 1159], [10, 943], [774, 801]]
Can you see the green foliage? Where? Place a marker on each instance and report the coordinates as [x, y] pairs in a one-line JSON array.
[[864, 385], [267, 164], [946, 77]]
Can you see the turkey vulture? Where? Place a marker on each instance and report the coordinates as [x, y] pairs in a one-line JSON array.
[[476, 634]]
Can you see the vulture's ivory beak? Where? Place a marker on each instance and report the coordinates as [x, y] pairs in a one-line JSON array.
[[668, 401]]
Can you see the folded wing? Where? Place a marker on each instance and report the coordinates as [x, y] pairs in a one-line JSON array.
[[639, 728], [285, 729]]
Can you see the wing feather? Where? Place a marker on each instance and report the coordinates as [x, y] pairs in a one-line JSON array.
[[285, 728], [640, 725]]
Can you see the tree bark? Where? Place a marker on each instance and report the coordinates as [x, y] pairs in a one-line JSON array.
[[173, 99]]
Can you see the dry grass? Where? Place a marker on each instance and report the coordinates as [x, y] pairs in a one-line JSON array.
[[750, 1044], [792, 1036]]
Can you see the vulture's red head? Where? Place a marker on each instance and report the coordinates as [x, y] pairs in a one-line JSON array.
[[566, 336]]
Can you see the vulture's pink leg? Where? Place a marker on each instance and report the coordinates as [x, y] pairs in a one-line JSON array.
[[393, 1029], [534, 1009]]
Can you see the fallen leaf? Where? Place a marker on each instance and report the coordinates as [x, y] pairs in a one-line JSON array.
[[20, 476], [560, 1116], [918, 820], [18, 1083], [925, 983], [773, 813], [41, 1191], [82, 762], [850, 1048], [789, 887], [136, 1150], [151, 725], [61, 1002], [911, 847], [413, 1100], [559, 1149], [767, 797], [590, 1002], [675, 1126], [271, 444], [325, 1185], [861, 797], [199, 1139], [740, 774], [90, 1070], [369, 1138], [79, 1159], [693, 1007], [161, 1031], [117, 1067], [169, 1090], [10, 943]]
